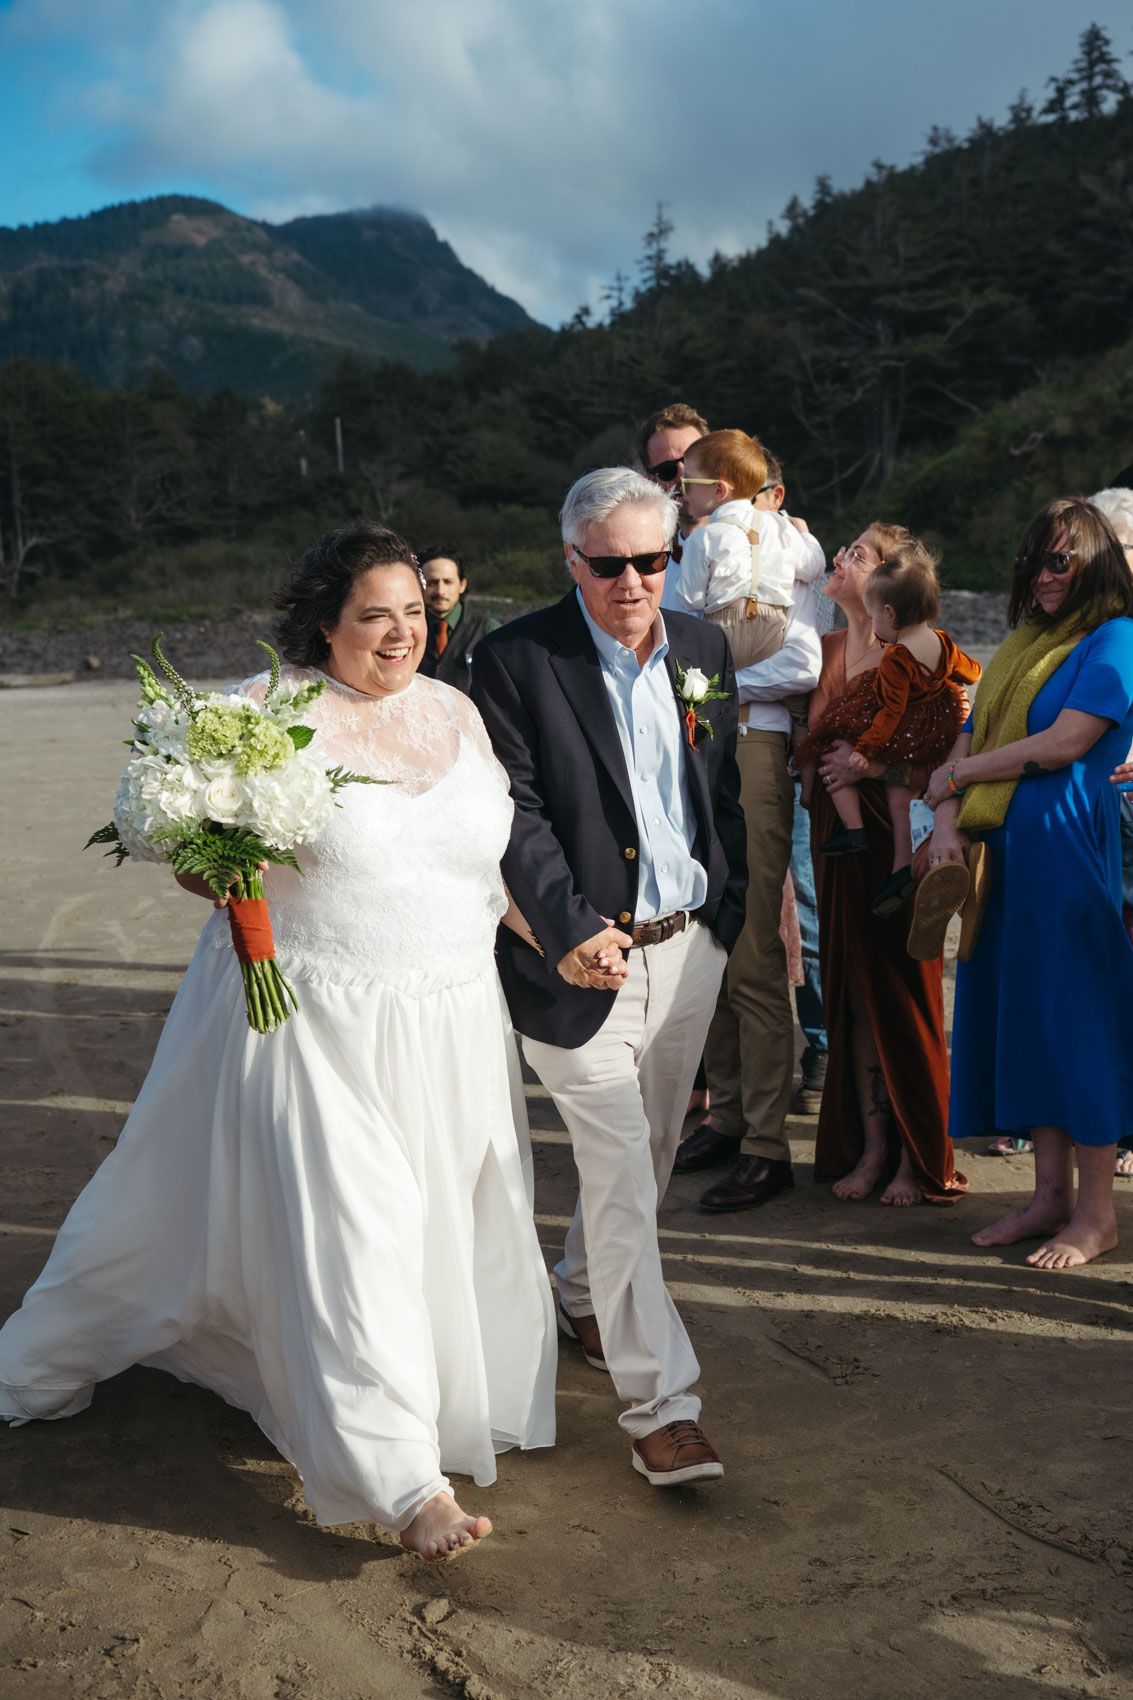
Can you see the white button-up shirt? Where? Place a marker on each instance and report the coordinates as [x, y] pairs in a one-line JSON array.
[[650, 732], [715, 567]]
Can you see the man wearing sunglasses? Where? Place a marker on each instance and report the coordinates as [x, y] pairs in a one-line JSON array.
[[663, 441], [627, 862]]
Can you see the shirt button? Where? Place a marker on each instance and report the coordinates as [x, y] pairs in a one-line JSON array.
[[656, 821], [664, 867]]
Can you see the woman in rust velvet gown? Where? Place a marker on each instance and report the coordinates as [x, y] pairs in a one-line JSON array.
[[884, 1117]]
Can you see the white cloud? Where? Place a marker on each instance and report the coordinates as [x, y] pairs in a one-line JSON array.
[[537, 137]]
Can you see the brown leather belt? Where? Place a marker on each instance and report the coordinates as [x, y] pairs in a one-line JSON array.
[[664, 927]]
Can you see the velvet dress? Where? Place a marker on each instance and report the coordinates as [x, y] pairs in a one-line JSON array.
[[1041, 1030], [903, 999]]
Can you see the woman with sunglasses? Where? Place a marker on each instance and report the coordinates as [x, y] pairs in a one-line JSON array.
[[1040, 1040]]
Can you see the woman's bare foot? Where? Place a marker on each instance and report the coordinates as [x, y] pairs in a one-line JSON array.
[[1079, 1242], [1123, 1162], [699, 1102], [441, 1529], [862, 1178], [903, 1188], [1041, 1216]]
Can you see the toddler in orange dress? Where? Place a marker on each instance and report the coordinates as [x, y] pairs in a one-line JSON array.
[[905, 712]]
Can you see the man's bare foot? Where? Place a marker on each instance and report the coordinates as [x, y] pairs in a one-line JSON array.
[[1046, 1216], [862, 1178], [441, 1529], [1079, 1242], [902, 1189], [699, 1101]]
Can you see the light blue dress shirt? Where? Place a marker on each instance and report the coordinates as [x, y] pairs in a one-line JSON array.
[[650, 731]]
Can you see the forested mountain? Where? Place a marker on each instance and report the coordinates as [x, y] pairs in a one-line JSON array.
[[949, 344], [219, 301]]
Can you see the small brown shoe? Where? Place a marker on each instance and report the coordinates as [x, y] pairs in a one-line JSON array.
[[585, 1332], [749, 1181], [677, 1453], [705, 1148], [938, 897], [979, 890]]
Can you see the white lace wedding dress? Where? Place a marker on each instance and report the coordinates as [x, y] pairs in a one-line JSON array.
[[331, 1225]]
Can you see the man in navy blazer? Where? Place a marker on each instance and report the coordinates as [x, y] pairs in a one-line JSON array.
[[617, 728]]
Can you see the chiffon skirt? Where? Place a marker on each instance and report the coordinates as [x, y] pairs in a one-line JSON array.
[[329, 1226]]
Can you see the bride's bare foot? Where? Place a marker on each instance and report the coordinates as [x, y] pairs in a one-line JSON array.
[[1079, 1242], [441, 1529], [903, 1188], [1041, 1216], [862, 1178]]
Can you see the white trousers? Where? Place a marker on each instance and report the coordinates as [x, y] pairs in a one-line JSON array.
[[623, 1097]]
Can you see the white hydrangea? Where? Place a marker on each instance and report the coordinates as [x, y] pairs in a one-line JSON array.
[[165, 728], [156, 794], [288, 805]]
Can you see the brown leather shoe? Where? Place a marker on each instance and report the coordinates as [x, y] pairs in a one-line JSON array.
[[749, 1181], [677, 1453], [585, 1332], [705, 1148]]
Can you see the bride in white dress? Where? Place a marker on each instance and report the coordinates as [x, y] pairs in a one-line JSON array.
[[331, 1226]]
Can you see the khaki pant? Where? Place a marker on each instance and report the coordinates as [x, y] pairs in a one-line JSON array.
[[750, 640], [750, 1052], [623, 1097]]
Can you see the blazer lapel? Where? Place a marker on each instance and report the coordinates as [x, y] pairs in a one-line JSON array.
[[579, 672]]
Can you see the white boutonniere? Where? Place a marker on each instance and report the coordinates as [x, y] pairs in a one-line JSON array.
[[693, 688]]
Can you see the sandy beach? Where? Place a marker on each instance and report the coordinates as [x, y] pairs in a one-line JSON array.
[[927, 1447]]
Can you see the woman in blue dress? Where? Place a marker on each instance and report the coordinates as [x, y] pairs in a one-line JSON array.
[[1040, 1033]]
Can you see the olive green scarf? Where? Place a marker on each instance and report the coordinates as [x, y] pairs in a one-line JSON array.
[[1013, 678]]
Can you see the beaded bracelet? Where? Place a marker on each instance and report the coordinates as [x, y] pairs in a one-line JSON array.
[[956, 790]]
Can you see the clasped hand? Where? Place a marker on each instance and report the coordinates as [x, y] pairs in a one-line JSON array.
[[598, 963]]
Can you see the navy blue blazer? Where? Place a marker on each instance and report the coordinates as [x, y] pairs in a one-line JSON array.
[[572, 859]]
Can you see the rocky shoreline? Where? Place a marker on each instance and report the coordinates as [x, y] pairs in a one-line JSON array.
[[226, 649]]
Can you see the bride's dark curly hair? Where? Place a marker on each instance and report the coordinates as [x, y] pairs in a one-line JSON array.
[[321, 581]]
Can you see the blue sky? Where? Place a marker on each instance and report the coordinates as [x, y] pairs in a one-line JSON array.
[[536, 137]]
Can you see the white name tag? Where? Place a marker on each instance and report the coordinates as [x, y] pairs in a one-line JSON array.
[[921, 821]]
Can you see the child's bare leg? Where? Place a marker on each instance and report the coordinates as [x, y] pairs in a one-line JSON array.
[[898, 798], [848, 806]]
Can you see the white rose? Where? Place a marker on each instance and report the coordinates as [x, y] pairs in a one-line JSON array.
[[694, 687], [222, 799]]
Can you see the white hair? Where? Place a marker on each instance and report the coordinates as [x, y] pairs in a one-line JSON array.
[[1117, 506], [592, 498]]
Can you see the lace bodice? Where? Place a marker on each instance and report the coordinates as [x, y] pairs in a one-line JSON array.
[[404, 884]]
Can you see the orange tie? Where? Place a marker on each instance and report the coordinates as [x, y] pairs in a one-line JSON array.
[[442, 637]]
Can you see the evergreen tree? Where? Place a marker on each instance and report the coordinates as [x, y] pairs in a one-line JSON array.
[[654, 265], [1094, 81]]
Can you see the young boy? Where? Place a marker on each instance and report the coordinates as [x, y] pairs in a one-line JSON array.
[[739, 567]]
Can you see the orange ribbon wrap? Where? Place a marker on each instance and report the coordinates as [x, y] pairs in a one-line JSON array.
[[250, 922], [690, 724]]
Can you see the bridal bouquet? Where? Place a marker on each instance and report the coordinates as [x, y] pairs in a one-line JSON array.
[[217, 786]]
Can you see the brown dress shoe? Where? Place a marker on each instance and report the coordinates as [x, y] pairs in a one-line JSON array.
[[677, 1453], [705, 1148], [585, 1332], [749, 1181]]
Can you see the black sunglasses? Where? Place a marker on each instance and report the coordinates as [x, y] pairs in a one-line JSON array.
[[613, 566], [666, 470], [1057, 561]]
